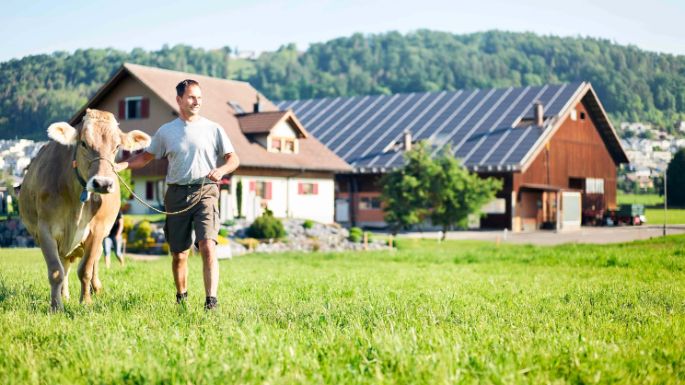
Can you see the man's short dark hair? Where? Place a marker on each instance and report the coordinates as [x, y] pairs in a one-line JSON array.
[[182, 86]]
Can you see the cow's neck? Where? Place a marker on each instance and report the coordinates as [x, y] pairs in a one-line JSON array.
[[82, 182]]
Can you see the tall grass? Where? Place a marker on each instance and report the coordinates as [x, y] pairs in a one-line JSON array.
[[428, 313]]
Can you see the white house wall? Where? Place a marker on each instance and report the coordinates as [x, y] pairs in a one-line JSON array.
[[283, 130], [139, 189], [285, 201]]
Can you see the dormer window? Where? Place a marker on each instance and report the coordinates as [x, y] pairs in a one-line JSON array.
[[289, 145], [276, 131], [283, 145], [276, 144]]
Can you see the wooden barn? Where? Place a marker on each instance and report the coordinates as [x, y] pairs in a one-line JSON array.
[[552, 146]]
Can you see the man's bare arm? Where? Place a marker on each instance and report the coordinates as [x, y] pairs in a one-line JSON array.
[[140, 160], [231, 163]]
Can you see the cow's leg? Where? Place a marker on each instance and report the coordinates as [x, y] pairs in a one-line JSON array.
[[97, 284], [93, 249], [56, 275], [66, 262]]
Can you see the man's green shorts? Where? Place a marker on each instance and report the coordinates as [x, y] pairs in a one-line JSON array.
[[203, 217]]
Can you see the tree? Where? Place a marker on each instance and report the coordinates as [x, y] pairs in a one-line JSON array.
[[676, 179], [406, 190], [441, 189], [456, 193]]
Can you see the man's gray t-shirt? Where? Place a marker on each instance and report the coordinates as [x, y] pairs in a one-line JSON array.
[[193, 149]]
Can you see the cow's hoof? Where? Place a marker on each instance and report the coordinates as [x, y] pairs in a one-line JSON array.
[[96, 288]]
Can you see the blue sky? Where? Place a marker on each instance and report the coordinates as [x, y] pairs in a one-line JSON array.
[[34, 27]]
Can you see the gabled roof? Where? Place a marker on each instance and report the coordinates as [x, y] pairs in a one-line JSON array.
[[263, 122], [489, 129], [217, 93]]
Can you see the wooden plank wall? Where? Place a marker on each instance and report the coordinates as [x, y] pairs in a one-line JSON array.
[[575, 151]]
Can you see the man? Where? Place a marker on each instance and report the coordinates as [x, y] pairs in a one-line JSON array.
[[194, 147], [114, 241]]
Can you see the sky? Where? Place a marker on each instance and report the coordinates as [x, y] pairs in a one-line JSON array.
[[44, 26]]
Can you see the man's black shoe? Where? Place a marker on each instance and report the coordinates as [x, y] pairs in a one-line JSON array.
[[210, 303], [181, 298]]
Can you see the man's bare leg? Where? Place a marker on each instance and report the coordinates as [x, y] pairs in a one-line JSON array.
[[210, 267], [179, 267], [210, 271]]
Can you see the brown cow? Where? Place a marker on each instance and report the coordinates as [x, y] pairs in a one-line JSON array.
[[70, 197]]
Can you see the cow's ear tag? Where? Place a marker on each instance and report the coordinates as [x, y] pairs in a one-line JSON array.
[[85, 195]]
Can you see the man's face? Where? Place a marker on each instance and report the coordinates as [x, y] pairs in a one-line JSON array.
[[190, 102]]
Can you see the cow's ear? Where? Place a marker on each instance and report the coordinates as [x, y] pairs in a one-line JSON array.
[[63, 133], [134, 140]]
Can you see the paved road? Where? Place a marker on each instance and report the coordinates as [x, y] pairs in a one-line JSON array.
[[584, 235]]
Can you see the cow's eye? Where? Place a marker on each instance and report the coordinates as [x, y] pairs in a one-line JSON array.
[[83, 144]]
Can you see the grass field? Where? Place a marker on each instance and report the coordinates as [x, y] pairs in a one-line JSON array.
[[645, 199], [673, 216], [654, 210], [456, 312]]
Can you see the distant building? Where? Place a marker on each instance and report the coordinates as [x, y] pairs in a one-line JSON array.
[[552, 146], [282, 166]]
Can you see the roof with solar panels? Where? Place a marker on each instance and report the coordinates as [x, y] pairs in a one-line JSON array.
[[489, 130]]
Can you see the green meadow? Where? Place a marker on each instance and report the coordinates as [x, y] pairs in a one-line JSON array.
[[427, 313]]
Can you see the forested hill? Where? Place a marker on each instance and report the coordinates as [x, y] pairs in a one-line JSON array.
[[632, 83]]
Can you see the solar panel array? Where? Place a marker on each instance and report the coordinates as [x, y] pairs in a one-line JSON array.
[[482, 127]]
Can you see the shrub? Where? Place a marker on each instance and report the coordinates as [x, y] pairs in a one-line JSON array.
[[355, 235], [223, 232], [144, 231], [266, 227], [222, 240], [308, 224], [368, 236]]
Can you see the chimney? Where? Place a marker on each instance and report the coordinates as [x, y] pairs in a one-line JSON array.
[[539, 113], [407, 141], [257, 106]]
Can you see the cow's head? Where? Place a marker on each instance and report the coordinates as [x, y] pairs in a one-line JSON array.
[[97, 143]]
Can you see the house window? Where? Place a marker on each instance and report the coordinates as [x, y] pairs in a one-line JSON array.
[[284, 145], [134, 107], [149, 190], [495, 206], [582, 116], [308, 188], [261, 189], [594, 186], [276, 144], [369, 203]]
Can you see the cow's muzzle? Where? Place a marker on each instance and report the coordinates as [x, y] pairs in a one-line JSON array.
[[100, 185]]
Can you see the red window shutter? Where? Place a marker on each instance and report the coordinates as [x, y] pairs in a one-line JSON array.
[[315, 189], [300, 188], [145, 108], [253, 185], [149, 191], [122, 109], [268, 191]]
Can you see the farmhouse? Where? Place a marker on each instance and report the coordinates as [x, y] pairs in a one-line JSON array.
[[552, 146], [282, 166]]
